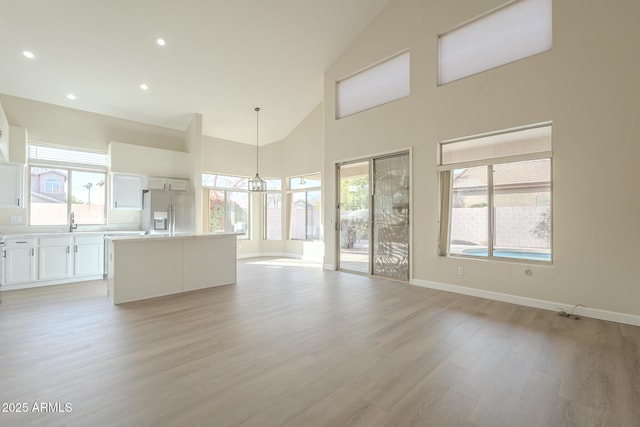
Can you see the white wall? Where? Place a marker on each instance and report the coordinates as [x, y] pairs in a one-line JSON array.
[[303, 148], [4, 136], [143, 149], [145, 161], [303, 154], [587, 85], [137, 159], [65, 126], [299, 153], [193, 144], [225, 157], [18, 140]]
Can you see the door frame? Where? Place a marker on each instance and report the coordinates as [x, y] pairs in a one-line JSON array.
[[369, 219], [369, 158]]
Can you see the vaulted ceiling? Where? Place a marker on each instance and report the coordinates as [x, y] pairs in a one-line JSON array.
[[222, 58]]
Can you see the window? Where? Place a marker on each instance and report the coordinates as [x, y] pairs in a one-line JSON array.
[[52, 185], [64, 180], [273, 210], [498, 207], [304, 210], [382, 83], [509, 33], [228, 207]]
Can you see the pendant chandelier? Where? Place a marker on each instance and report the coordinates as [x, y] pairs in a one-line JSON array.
[[257, 184]]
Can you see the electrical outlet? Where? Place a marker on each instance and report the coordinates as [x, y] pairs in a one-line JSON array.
[[460, 271], [16, 219], [132, 219]]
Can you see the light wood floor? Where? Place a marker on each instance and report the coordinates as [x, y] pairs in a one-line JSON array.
[[292, 345]]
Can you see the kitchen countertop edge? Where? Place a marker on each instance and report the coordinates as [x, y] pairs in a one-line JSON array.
[[148, 237]]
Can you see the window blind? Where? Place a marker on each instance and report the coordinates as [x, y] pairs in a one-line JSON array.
[[40, 154], [509, 145], [377, 85], [515, 31]]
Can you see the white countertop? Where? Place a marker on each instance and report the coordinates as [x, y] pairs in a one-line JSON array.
[[67, 234], [148, 237]]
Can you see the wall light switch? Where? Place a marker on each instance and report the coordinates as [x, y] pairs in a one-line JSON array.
[[132, 218], [16, 219]]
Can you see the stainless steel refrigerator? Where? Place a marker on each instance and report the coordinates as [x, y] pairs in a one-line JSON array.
[[167, 212]]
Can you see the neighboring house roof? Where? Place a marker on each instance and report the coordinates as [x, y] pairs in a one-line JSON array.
[[47, 172], [45, 198], [521, 174]]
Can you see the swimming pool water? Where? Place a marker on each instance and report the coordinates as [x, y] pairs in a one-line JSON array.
[[505, 253]]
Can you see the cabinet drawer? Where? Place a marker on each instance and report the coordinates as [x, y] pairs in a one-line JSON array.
[[55, 241], [89, 240], [17, 243]]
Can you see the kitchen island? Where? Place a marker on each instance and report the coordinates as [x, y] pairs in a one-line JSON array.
[[141, 267]]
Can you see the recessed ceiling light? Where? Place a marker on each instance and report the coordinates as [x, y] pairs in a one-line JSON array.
[[28, 54], [71, 96], [144, 86], [161, 41]]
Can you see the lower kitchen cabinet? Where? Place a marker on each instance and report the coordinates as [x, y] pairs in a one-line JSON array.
[[89, 256], [20, 261], [55, 259], [52, 259]]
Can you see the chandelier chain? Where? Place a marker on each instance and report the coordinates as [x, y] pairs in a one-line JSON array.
[[257, 133]]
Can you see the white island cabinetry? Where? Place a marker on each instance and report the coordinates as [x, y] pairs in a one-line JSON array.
[[152, 266]]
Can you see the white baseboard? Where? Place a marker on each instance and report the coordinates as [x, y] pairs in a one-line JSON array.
[[41, 283], [263, 254], [328, 267], [280, 254], [612, 316]]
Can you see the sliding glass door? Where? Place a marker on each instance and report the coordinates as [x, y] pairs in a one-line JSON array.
[[373, 212], [353, 207], [391, 217]]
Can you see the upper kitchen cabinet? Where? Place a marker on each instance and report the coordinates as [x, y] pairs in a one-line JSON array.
[[126, 191], [11, 185], [162, 183]]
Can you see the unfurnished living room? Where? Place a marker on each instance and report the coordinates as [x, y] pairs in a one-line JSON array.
[[299, 213]]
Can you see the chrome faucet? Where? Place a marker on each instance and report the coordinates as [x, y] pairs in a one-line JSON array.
[[72, 222]]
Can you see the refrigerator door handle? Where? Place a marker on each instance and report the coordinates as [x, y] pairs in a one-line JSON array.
[[173, 208], [173, 219]]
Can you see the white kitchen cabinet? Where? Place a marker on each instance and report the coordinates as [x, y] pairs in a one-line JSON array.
[[88, 256], [55, 258], [163, 183], [11, 185], [176, 184], [126, 191], [20, 258], [155, 183], [36, 260]]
